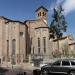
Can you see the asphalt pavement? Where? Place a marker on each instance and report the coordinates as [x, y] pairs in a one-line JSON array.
[[19, 72]]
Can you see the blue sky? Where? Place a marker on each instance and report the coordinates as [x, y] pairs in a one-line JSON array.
[[25, 9]]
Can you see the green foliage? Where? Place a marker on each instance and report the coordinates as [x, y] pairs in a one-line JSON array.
[[58, 24]]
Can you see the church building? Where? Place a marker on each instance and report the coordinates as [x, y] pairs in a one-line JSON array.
[[19, 40], [38, 30], [28, 41]]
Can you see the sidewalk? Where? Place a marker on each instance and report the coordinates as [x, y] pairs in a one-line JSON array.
[[25, 66], [28, 66]]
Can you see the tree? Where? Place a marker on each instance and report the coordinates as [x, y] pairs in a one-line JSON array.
[[65, 50], [58, 24], [56, 53]]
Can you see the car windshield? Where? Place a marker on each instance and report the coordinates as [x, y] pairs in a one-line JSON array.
[[57, 63]]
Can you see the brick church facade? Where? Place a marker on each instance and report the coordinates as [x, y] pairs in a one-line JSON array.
[[20, 41]]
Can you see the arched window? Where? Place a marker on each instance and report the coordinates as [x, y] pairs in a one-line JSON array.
[[8, 50], [13, 51], [43, 13], [8, 47], [13, 46], [38, 45], [40, 13], [44, 44]]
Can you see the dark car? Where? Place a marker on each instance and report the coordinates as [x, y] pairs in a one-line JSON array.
[[3, 71], [62, 66]]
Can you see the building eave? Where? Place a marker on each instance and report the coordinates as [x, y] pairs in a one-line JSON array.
[[41, 27], [60, 38], [9, 20], [40, 8]]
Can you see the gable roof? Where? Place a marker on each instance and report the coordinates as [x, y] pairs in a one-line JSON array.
[[40, 8], [64, 37], [72, 43], [36, 22]]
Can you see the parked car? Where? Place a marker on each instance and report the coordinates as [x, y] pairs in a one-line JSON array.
[[62, 66]]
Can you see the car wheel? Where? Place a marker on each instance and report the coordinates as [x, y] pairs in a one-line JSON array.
[[72, 73], [45, 72]]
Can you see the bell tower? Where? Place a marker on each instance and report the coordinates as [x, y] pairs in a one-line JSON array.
[[42, 13]]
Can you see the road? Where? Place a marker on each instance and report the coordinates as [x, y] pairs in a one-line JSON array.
[[29, 72], [19, 72]]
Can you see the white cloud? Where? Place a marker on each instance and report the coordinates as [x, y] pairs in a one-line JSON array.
[[55, 4], [69, 6]]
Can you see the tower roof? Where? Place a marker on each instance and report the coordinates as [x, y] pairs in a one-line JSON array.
[[40, 8]]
